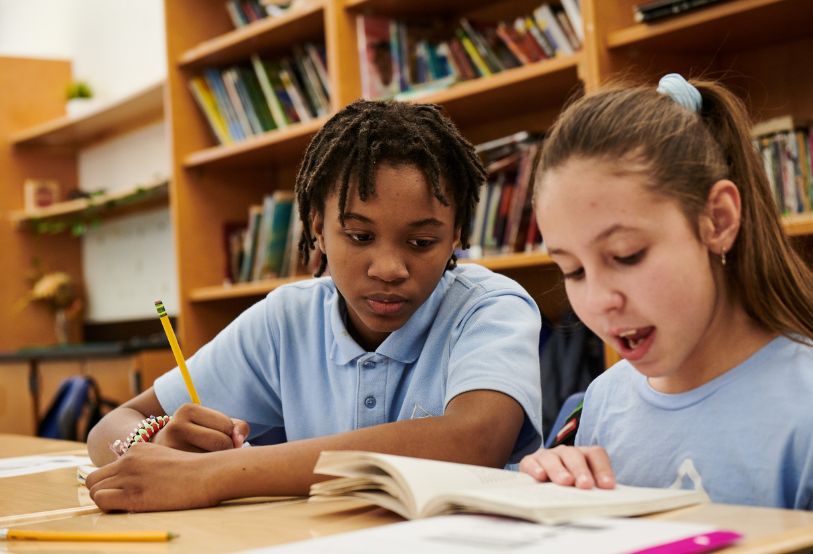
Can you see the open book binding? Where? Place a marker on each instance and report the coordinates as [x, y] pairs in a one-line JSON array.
[[416, 488]]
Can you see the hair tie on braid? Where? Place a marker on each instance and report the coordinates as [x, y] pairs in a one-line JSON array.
[[681, 91]]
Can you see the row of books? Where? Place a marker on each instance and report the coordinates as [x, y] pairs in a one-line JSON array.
[[402, 59], [786, 148], [264, 246], [504, 221], [245, 12], [247, 100]]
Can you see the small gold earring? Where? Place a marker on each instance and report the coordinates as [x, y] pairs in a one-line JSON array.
[[722, 256]]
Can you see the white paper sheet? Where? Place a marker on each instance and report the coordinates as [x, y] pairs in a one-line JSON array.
[[470, 534], [25, 465]]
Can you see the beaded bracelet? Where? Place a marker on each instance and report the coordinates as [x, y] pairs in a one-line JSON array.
[[144, 432]]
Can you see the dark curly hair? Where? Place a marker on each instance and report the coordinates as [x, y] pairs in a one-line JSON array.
[[367, 133]]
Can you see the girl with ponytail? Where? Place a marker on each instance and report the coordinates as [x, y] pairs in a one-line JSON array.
[[657, 209]]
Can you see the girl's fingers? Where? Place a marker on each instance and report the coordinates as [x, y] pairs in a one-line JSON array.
[[600, 466], [531, 465], [556, 470], [575, 464]]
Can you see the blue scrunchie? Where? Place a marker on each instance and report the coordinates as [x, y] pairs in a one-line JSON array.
[[681, 91]]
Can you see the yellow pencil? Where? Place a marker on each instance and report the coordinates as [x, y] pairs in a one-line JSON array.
[[176, 351], [86, 536]]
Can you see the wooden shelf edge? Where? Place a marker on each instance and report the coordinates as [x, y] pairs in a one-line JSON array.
[[505, 78], [797, 225], [142, 105], [241, 290], [267, 140], [152, 192], [517, 260], [261, 288], [200, 53], [642, 31]]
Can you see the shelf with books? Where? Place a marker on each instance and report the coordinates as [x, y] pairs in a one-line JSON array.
[[255, 289], [727, 26], [85, 211], [112, 118], [281, 144], [298, 25]]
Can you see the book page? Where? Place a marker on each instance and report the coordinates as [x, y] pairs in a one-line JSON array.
[[418, 480], [551, 503], [483, 535]]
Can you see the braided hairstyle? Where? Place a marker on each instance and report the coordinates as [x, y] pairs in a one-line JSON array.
[[367, 133]]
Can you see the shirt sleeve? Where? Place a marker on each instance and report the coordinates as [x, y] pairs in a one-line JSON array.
[[235, 373], [497, 348]]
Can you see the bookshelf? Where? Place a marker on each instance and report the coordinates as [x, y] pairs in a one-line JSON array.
[[37, 140], [756, 46]]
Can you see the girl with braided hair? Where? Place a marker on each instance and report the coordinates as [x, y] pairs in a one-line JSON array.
[[399, 350], [656, 207]]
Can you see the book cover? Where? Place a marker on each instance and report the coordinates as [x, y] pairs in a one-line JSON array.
[[274, 104], [376, 65], [276, 234], [214, 80], [288, 80], [471, 52], [206, 102], [316, 55], [416, 488], [550, 25], [483, 48], [574, 14], [257, 98], [236, 102]]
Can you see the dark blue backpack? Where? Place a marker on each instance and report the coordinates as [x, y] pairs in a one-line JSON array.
[[76, 396]]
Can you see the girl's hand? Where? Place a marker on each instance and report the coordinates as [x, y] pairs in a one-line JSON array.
[[582, 466], [150, 477], [196, 428]]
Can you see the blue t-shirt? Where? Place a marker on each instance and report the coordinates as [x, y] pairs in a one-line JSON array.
[[289, 367], [747, 434]]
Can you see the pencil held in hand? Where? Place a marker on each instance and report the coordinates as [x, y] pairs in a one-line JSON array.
[[176, 351]]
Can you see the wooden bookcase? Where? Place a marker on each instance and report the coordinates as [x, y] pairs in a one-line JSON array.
[[759, 47], [37, 140]]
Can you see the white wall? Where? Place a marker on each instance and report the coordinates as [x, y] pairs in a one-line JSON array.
[[117, 46]]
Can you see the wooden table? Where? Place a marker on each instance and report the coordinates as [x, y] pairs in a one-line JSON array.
[[254, 523]]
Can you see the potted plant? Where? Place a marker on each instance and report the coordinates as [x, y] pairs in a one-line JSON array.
[[79, 98]]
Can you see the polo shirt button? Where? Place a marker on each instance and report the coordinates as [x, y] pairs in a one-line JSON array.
[[369, 364], [370, 402]]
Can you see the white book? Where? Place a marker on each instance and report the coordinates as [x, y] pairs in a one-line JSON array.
[[547, 21], [416, 488], [574, 14]]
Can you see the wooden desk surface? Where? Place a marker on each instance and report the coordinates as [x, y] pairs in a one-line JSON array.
[[254, 523]]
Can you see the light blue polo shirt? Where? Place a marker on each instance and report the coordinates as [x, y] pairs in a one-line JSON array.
[[289, 367], [745, 437]]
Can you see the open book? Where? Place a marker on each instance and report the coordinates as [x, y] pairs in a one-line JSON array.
[[416, 488]]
